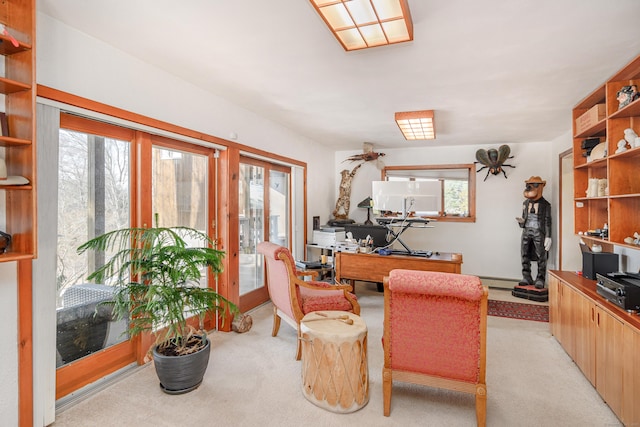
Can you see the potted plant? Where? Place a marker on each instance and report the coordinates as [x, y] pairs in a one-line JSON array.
[[156, 276]]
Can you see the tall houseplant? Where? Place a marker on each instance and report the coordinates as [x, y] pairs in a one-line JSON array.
[[156, 277]]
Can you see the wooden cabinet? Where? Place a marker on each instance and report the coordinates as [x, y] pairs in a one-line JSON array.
[[631, 381], [18, 147], [555, 286], [585, 336], [609, 359], [602, 339], [572, 320], [618, 204]]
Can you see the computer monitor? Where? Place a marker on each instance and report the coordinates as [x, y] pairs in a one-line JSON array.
[[377, 232], [407, 196]]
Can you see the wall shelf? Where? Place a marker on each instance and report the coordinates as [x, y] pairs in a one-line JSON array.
[[18, 85], [8, 86], [7, 48], [620, 206], [6, 141]]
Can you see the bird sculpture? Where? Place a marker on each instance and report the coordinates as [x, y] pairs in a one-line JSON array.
[[365, 157]]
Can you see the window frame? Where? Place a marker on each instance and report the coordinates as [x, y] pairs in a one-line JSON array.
[[470, 168]]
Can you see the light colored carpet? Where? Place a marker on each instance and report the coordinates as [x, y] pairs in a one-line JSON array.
[[253, 380]]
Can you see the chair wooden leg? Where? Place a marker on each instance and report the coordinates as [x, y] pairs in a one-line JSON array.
[[387, 383], [481, 405], [299, 345], [276, 322]]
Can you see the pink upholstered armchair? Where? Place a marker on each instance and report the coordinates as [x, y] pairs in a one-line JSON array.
[[435, 329], [293, 297]]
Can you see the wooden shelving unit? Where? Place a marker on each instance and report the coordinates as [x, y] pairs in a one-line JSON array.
[[619, 207], [18, 84]]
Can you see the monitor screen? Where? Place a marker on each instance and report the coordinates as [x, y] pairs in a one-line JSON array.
[[406, 196], [377, 232]]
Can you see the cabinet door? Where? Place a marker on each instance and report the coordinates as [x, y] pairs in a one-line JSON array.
[[554, 306], [631, 384], [609, 359], [584, 336], [567, 319]]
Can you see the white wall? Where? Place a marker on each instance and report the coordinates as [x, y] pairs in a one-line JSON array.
[[490, 247], [73, 62]]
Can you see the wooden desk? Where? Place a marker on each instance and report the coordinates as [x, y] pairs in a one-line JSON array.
[[373, 267]]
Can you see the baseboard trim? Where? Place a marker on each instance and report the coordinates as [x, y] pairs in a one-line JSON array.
[[499, 282]]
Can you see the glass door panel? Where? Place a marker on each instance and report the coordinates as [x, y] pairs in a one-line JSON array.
[[179, 191], [279, 207], [93, 198], [251, 209]]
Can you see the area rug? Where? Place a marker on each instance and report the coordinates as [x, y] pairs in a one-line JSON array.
[[516, 310]]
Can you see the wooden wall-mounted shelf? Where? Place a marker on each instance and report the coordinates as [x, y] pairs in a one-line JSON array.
[[19, 147], [619, 207]]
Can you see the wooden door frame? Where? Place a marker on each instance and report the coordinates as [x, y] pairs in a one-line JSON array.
[[561, 157]]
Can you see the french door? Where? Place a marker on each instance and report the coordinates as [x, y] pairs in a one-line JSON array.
[[264, 209], [111, 177], [95, 196]]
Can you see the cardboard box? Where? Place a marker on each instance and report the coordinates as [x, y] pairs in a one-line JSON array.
[[590, 118]]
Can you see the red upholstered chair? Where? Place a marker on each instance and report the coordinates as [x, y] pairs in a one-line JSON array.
[[435, 333], [293, 297]]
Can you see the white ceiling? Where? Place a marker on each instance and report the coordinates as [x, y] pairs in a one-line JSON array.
[[494, 71]]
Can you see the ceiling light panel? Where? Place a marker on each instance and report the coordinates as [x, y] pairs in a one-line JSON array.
[[416, 125], [337, 16], [388, 9], [362, 12], [359, 24]]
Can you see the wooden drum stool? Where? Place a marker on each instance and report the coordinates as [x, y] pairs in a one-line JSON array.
[[335, 374]]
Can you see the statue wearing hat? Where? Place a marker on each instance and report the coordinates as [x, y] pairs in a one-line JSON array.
[[536, 232]]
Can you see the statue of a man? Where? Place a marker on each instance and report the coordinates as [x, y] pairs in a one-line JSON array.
[[536, 232]]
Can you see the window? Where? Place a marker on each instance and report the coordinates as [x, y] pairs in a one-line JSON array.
[[264, 205], [179, 187], [93, 198], [456, 185]]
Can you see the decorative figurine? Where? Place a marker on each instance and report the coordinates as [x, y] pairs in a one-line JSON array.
[[622, 146], [494, 160], [5, 241], [365, 157], [630, 136], [627, 95], [536, 232], [341, 212]]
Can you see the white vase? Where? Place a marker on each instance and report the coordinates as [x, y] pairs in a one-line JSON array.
[[592, 190]]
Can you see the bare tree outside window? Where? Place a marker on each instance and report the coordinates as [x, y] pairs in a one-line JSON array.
[[93, 197]]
